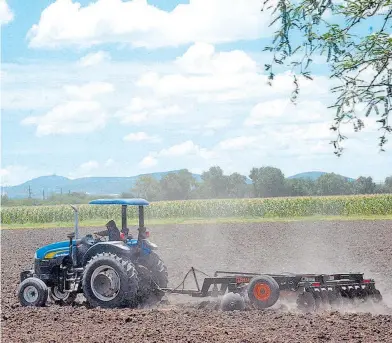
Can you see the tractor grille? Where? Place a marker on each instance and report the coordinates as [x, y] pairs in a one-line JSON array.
[[42, 267]]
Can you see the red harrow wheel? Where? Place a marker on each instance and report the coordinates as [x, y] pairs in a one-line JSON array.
[[263, 291]]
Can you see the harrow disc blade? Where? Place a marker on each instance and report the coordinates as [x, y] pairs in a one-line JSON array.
[[306, 302], [325, 300], [335, 299], [317, 299], [375, 295]]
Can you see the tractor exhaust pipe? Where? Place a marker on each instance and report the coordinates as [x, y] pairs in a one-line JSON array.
[[76, 212]]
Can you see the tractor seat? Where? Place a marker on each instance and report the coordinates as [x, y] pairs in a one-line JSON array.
[[71, 235]]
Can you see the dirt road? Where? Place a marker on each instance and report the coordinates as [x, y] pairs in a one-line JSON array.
[[265, 247]]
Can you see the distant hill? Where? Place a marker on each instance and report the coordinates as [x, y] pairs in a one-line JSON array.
[[54, 184], [91, 185], [313, 175]]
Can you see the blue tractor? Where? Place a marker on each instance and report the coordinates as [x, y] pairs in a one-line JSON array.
[[126, 272]]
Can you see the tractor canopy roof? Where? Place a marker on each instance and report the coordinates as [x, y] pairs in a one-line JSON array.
[[129, 202]]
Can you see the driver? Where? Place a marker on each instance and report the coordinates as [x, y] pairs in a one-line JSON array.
[[111, 230]]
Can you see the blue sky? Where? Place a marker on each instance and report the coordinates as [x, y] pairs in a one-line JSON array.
[[118, 88]]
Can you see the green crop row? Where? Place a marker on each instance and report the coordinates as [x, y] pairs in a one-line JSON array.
[[272, 207]]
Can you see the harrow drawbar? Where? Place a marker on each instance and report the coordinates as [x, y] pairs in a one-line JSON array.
[[310, 292]]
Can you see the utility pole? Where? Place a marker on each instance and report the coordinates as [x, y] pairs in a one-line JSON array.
[[61, 191], [30, 192], [43, 194]]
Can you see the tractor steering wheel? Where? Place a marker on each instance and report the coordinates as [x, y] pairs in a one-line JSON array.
[[98, 238]]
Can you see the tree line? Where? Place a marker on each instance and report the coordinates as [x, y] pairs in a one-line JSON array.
[[263, 182], [214, 184]]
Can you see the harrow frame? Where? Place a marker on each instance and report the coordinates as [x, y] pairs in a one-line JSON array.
[[339, 285]]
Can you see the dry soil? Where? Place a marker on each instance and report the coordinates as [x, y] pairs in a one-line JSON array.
[[325, 247]]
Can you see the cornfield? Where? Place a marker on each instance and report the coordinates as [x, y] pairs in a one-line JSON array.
[[267, 208]]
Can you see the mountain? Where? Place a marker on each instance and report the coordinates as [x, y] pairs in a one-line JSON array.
[[92, 185], [313, 175], [101, 185]]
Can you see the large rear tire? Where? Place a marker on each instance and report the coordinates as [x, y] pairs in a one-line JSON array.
[[110, 281], [154, 276]]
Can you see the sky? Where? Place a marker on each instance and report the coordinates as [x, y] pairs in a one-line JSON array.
[[121, 88]]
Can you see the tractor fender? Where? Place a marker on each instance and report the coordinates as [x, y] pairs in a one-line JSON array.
[[116, 247]]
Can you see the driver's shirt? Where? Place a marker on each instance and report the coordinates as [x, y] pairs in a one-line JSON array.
[[113, 233]]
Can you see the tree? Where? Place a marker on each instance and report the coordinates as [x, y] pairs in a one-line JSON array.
[[360, 64], [364, 185], [147, 187], [300, 187], [177, 186], [201, 191], [236, 185], [388, 184], [5, 200], [267, 181], [216, 182], [333, 184]]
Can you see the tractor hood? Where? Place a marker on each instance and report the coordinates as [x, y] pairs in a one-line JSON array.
[[53, 250]]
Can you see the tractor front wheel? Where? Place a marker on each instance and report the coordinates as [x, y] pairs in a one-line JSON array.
[[33, 292], [110, 281]]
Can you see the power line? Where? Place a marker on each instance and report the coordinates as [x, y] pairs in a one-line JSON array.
[[30, 192]]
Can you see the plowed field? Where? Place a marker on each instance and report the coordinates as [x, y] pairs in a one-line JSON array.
[[364, 246]]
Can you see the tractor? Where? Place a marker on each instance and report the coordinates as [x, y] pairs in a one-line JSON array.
[[123, 273], [129, 273]]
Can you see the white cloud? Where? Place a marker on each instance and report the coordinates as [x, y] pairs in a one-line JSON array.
[[90, 90], [182, 150], [12, 175], [86, 169], [197, 94], [66, 23], [6, 15], [39, 85], [208, 76], [89, 166], [150, 110], [70, 117], [201, 58], [283, 111], [241, 143], [94, 58], [216, 124], [148, 162], [140, 136], [80, 114], [109, 162]]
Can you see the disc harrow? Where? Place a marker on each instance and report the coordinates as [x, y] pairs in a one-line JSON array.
[[311, 292]]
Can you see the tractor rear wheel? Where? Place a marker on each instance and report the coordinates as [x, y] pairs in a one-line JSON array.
[[263, 291], [110, 281], [153, 276], [33, 292]]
